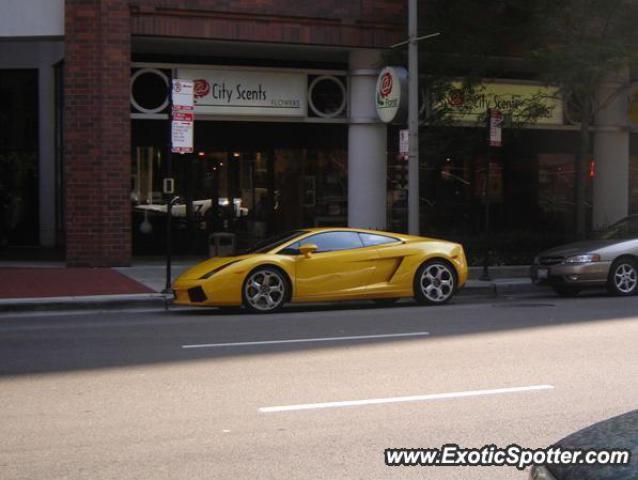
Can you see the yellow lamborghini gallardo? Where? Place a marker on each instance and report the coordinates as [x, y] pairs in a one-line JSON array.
[[327, 264]]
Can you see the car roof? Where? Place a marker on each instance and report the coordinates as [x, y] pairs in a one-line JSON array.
[[359, 230], [614, 433]]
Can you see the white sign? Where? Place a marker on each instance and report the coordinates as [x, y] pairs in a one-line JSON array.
[[183, 120], [404, 141], [182, 136], [252, 92], [182, 95], [537, 104], [496, 120], [391, 93]]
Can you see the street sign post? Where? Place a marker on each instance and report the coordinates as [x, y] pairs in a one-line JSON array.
[[181, 128], [404, 143], [495, 140], [495, 122]]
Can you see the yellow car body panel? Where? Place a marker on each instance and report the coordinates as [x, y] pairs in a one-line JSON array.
[[381, 271], [334, 275]]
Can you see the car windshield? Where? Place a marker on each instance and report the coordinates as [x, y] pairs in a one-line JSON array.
[[622, 230], [273, 242]]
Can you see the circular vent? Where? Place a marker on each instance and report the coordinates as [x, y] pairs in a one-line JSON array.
[[327, 96], [149, 90]]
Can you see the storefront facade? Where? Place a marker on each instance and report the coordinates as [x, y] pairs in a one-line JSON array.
[[256, 170], [286, 134], [271, 154]]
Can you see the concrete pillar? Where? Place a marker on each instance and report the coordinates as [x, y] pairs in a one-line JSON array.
[[367, 145], [611, 154], [51, 53]]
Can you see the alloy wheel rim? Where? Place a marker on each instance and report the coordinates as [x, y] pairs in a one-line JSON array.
[[265, 290], [437, 283], [625, 278]]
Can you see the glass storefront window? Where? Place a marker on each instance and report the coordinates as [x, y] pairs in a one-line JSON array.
[[253, 190], [19, 224], [556, 176], [531, 190]]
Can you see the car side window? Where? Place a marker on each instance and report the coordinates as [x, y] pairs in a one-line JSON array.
[[292, 249], [632, 226], [372, 239], [334, 241]]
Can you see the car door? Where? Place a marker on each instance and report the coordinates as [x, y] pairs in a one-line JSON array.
[[340, 268], [391, 252]]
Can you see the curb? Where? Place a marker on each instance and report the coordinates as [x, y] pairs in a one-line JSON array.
[[143, 300], [495, 288]]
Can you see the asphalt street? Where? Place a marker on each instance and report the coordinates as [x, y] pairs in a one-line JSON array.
[[309, 393]]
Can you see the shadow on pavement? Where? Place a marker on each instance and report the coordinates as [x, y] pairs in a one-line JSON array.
[[84, 341]]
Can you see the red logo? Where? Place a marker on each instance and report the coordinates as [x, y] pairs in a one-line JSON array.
[[201, 88], [386, 85], [457, 98]]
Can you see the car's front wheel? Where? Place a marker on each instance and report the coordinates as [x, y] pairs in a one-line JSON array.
[[623, 277], [434, 283], [265, 290]]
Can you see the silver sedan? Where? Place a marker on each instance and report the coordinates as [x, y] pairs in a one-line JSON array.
[[609, 260]]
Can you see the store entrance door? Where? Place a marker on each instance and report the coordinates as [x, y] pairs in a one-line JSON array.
[[233, 192]]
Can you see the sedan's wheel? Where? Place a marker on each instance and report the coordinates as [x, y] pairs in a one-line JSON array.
[[435, 283], [265, 290], [623, 277]]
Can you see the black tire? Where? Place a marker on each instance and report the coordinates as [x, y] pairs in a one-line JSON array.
[[258, 299], [435, 283], [623, 277], [385, 302], [566, 290]]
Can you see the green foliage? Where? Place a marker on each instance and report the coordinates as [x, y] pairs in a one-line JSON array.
[[578, 44]]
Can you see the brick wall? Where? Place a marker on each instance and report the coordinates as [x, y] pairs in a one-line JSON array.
[[351, 23], [97, 159]]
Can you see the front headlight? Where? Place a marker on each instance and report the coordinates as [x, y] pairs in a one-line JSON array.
[[588, 258], [539, 472]]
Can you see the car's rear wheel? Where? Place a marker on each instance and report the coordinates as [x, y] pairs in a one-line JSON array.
[[566, 290], [434, 283], [623, 277], [265, 290]]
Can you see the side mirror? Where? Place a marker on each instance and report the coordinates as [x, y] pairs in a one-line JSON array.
[[308, 249]]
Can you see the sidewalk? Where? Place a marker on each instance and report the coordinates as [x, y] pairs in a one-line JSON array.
[[26, 286]]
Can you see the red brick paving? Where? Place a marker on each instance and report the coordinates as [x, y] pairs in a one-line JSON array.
[[63, 282]]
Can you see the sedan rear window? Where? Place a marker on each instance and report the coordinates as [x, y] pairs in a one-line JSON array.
[[624, 229]]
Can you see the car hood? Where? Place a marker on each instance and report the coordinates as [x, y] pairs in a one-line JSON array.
[[619, 432], [577, 248], [197, 271]]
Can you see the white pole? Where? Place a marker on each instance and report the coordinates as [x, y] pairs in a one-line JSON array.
[[413, 121]]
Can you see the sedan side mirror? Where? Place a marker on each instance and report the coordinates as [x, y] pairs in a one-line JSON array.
[[308, 249]]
